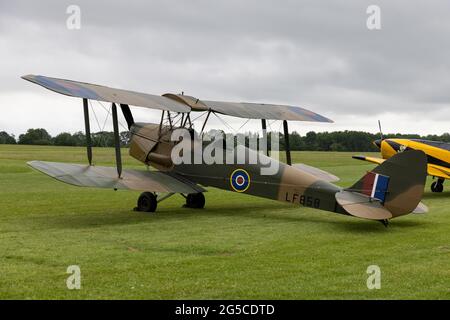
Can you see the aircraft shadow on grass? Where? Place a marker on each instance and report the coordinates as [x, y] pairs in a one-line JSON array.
[[266, 211], [435, 195]]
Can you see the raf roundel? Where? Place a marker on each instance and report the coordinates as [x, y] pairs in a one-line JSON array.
[[240, 180]]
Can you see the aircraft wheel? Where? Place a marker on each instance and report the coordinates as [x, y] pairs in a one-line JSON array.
[[195, 200], [440, 185], [437, 186], [146, 202], [433, 186]]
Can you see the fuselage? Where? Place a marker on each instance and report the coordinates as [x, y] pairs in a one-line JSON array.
[[152, 145], [240, 169]]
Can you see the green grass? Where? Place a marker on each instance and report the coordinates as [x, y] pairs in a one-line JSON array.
[[237, 247]]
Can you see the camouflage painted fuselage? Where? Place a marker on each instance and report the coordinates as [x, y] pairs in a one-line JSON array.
[[287, 183]]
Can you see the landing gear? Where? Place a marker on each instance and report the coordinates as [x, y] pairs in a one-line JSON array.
[[438, 186], [195, 200], [146, 202], [385, 222]]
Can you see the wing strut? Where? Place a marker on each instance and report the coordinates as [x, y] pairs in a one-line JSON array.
[[206, 120], [127, 114], [116, 139], [264, 133], [286, 143], [88, 131]]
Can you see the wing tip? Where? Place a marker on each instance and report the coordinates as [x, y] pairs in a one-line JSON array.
[[28, 77], [31, 163]]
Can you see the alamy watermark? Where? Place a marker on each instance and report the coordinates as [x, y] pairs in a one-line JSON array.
[[373, 21], [220, 148], [374, 278], [73, 282], [73, 21]]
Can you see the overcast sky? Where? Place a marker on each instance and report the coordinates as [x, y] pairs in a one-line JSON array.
[[316, 54]]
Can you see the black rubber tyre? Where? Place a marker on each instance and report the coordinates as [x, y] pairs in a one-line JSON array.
[[147, 202], [437, 186], [433, 186], [195, 200]]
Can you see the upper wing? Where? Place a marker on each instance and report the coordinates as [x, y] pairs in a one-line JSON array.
[[106, 177], [175, 102], [438, 171], [264, 111], [102, 93], [370, 159]]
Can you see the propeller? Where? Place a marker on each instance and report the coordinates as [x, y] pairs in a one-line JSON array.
[[381, 132], [378, 142]]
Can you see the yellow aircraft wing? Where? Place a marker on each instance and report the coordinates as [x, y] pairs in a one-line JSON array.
[[370, 159], [433, 169], [438, 171]]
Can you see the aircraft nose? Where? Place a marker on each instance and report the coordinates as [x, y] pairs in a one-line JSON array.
[[378, 143]]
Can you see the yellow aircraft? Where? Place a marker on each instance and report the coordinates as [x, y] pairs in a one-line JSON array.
[[437, 152]]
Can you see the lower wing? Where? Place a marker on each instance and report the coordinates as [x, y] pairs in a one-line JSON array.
[[318, 173], [106, 177]]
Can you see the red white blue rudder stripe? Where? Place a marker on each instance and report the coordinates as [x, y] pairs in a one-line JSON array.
[[375, 185]]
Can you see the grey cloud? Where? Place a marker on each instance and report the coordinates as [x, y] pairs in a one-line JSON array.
[[313, 53]]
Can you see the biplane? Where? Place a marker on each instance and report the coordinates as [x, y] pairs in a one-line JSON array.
[[392, 189], [437, 152]]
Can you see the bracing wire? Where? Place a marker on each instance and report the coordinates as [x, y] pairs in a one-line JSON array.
[[109, 113], [95, 115], [224, 122], [96, 119], [201, 115], [106, 119], [244, 124]]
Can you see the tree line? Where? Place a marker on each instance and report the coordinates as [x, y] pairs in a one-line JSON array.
[[347, 140], [41, 136], [312, 141]]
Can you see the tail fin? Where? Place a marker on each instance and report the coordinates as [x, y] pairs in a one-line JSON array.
[[392, 189]]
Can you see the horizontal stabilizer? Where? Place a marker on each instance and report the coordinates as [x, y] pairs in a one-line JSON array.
[[318, 173], [106, 177], [362, 206]]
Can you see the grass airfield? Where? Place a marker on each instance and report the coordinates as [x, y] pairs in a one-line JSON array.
[[238, 247]]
